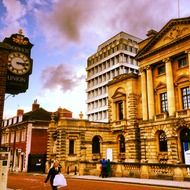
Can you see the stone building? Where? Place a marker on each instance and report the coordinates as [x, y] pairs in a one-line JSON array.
[[148, 133]]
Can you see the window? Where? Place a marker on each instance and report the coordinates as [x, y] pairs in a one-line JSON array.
[[120, 110], [12, 137], [164, 102], [182, 62], [161, 69], [186, 97], [121, 144], [163, 142], [23, 135], [18, 136], [95, 145], [71, 146]]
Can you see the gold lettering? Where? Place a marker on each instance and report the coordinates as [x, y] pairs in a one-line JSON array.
[[16, 78]]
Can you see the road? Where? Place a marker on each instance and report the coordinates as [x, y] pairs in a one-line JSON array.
[[24, 181]]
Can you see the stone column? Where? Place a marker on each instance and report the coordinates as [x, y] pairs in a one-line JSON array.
[[170, 87], [150, 93], [144, 95], [188, 58]]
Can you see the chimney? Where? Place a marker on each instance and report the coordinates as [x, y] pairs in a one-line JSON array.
[[151, 33], [35, 105], [20, 112]]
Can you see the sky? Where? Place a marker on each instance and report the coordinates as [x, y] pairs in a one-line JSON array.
[[65, 33]]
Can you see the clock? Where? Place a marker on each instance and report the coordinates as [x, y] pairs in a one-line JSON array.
[[18, 63]]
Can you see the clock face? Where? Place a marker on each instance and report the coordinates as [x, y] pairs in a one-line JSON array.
[[18, 63]]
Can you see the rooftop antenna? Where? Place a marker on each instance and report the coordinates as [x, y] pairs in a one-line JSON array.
[[178, 8]]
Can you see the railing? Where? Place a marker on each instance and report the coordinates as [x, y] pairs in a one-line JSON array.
[[165, 171], [119, 125], [183, 113], [161, 116]]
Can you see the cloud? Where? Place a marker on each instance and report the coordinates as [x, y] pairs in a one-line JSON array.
[[141, 16], [60, 76], [14, 17], [15, 10]]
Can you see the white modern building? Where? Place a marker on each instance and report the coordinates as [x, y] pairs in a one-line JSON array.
[[114, 57]]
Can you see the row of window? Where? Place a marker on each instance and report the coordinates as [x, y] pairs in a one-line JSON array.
[[121, 58], [97, 104], [15, 136], [102, 115], [162, 143], [110, 75], [111, 51], [182, 62], [185, 92], [12, 121], [97, 92]]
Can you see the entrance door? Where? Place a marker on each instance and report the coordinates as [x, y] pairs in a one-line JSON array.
[[185, 144]]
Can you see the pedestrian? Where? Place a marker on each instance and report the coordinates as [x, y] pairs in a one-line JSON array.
[[104, 166], [108, 169], [56, 169]]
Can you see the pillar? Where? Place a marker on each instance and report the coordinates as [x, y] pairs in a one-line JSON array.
[[150, 92], [188, 58], [144, 95], [170, 87]]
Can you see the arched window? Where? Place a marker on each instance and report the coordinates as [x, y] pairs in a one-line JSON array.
[[163, 142], [95, 145], [121, 144]]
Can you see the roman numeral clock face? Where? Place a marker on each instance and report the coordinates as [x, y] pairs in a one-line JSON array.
[[18, 63]]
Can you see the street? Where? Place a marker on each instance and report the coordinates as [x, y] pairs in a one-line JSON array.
[[25, 181]]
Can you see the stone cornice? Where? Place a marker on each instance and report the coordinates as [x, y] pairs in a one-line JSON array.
[[144, 52], [122, 77]]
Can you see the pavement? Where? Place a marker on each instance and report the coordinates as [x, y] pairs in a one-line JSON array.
[[155, 182], [185, 185]]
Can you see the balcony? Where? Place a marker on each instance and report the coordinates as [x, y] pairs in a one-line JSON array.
[[119, 125], [183, 113], [161, 116]]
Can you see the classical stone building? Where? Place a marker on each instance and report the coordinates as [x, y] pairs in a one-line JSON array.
[[148, 133], [165, 72]]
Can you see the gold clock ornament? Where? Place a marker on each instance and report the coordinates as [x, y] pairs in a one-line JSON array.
[[18, 63]]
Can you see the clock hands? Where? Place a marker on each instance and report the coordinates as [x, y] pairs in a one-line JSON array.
[[20, 63]]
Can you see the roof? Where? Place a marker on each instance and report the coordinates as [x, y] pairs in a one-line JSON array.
[[143, 52], [39, 114]]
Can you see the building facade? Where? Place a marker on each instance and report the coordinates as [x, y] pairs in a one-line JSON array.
[[165, 70], [113, 57], [25, 135], [148, 133]]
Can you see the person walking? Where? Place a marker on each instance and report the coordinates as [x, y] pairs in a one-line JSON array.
[[104, 166], [56, 169], [108, 169]]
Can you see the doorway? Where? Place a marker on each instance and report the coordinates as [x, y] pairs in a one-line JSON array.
[[185, 143]]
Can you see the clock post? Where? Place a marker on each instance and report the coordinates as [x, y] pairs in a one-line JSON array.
[[15, 67]]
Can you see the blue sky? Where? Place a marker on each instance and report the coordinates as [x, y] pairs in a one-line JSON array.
[[65, 33]]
